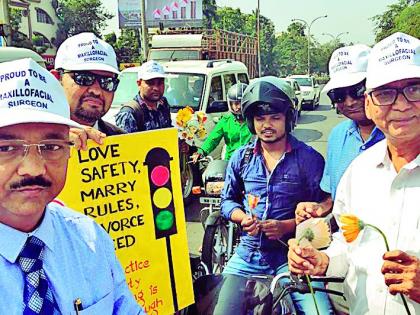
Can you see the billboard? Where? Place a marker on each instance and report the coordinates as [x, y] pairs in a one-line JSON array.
[[171, 13]]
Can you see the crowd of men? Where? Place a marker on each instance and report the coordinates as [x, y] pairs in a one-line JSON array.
[[52, 257]]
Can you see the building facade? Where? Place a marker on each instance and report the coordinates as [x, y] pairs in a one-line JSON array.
[[39, 23]]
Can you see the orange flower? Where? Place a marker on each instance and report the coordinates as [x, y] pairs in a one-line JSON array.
[[253, 201], [351, 226]]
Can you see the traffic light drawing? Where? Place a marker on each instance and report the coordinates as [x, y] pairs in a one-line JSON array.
[[159, 172]]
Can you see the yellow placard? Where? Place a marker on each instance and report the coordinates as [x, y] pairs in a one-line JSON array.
[[131, 186]]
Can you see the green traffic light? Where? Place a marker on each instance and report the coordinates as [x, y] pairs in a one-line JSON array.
[[164, 220]]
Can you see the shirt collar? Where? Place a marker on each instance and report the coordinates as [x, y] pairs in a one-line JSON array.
[[12, 240], [381, 158], [290, 145]]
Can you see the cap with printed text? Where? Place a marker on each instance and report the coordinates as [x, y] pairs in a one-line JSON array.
[[394, 58], [86, 51], [151, 70], [31, 94], [347, 66]]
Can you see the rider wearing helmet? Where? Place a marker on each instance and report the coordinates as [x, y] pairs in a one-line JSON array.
[[264, 182], [231, 127]]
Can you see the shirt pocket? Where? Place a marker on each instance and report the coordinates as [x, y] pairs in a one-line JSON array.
[[285, 191], [103, 306]]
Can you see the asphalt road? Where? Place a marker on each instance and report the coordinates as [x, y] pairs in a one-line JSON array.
[[313, 128]]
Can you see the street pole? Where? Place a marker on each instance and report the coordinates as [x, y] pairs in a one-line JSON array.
[[309, 25], [258, 38], [144, 35], [335, 38]]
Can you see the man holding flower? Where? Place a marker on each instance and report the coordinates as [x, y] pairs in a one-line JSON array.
[[379, 194]]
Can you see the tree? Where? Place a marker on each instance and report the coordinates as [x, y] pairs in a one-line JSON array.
[[77, 16], [209, 12], [126, 46], [408, 21], [386, 22]]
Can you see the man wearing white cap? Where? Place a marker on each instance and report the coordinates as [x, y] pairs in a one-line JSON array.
[[381, 187], [348, 139], [149, 109], [87, 68], [53, 260]]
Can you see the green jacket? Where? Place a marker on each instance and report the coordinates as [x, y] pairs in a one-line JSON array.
[[236, 134]]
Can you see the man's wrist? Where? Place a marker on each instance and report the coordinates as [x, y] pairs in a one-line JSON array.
[[322, 265]]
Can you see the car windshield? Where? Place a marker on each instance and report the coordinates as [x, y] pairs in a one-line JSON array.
[[184, 89], [304, 81], [181, 89], [127, 88]]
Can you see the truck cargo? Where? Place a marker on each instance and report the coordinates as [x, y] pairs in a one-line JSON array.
[[208, 44]]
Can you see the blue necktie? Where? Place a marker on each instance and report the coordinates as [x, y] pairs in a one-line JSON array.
[[37, 296]]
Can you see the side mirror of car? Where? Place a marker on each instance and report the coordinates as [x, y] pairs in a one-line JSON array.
[[217, 107], [297, 92], [316, 85]]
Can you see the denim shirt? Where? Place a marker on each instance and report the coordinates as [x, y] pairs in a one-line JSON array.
[[153, 119], [344, 144], [294, 179]]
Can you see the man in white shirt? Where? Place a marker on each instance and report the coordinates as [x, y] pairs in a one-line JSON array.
[[381, 187]]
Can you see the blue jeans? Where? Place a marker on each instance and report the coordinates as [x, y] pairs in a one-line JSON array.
[[304, 303]]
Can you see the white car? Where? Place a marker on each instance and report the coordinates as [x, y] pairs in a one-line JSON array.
[[298, 94], [200, 84], [310, 90]]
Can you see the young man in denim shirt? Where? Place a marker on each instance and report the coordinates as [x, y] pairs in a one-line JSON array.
[[281, 172]]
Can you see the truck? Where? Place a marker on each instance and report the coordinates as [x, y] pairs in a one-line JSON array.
[[205, 44]]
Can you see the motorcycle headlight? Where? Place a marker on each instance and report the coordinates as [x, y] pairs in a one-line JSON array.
[[214, 188]]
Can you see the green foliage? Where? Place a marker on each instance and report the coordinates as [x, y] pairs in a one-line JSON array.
[[209, 12], [386, 23], [408, 21], [77, 16], [234, 20], [126, 46]]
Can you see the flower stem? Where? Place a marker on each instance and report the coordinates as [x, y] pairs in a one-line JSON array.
[[387, 249], [312, 293], [309, 283]]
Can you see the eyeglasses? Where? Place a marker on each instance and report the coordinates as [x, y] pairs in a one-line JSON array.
[[50, 150], [339, 95], [84, 78], [387, 97]]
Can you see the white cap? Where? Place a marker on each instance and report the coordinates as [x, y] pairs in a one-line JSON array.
[[394, 58], [31, 94], [85, 51], [347, 66], [151, 70]]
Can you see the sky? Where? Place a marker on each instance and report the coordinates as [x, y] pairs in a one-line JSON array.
[[343, 16]]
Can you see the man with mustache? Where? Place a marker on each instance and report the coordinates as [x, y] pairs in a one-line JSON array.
[[149, 109], [380, 187], [53, 260], [265, 181], [87, 69], [348, 139]]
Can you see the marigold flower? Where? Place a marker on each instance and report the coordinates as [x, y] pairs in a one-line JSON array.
[[351, 226]]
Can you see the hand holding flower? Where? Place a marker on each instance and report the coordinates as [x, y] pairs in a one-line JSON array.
[[250, 226], [402, 274], [352, 225]]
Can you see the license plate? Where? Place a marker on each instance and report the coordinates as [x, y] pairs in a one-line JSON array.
[[210, 200]]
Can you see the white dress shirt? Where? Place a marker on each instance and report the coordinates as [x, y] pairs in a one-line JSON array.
[[372, 190]]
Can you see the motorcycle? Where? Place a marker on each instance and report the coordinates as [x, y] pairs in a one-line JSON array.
[[220, 235], [252, 295]]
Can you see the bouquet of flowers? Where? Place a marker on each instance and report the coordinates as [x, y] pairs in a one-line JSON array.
[[190, 125]]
